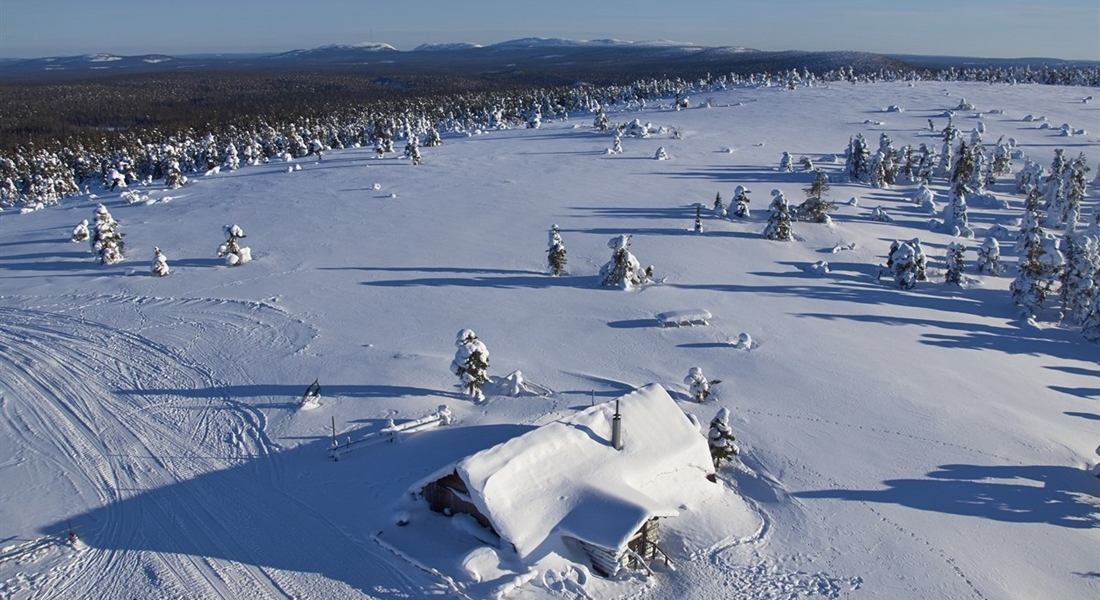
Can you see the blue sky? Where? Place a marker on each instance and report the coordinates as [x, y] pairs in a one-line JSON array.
[[1067, 29]]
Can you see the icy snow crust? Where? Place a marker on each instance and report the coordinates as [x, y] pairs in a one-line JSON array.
[[911, 444]]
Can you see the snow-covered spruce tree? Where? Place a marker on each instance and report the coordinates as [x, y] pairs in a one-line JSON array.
[[903, 265], [1076, 183], [964, 164], [1078, 278], [534, 117], [80, 232], [1040, 261], [233, 253], [601, 122], [471, 364], [806, 163], [816, 208], [955, 264], [232, 158], [1090, 328], [719, 206], [723, 446], [786, 163], [412, 149], [555, 254], [623, 271], [616, 146], [925, 199], [698, 385], [740, 202], [989, 257], [433, 138], [947, 155], [1029, 176], [698, 228], [1054, 191], [955, 220], [858, 162], [1002, 158], [779, 219], [160, 263], [661, 154], [106, 240]]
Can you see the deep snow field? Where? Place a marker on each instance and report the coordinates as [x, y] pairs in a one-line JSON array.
[[895, 444]]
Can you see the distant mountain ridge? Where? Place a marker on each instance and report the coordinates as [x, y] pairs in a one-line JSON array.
[[532, 59]]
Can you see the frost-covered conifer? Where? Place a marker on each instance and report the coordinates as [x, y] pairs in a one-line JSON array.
[[947, 155], [955, 220], [1076, 183], [903, 264], [534, 117], [989, 257], [1078, 277], [807, 164], [1054, 191], [719, 206], [1090, 328], [698, 385], [955, 264], [816, 208], [556, 252], [80, 232], [858, 162], [106, 240], [471, 364], [740, 202], [723, 446], [926, 199], [233, 253], [601, 122], [412, 149], [616, 146], [1002, 158], [698, 218], [879, 214], [623, 271], [786, 163], [661, 154], [232, 158], [779, 219], [1029, 176], [1040, 262], [160, 263], [433, 138]]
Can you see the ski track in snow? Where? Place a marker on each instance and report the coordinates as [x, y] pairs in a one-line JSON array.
[[107, 409]]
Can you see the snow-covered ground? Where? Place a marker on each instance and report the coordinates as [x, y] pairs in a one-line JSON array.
[[895, 444]]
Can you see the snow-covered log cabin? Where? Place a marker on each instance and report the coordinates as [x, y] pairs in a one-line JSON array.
[[564, 488]]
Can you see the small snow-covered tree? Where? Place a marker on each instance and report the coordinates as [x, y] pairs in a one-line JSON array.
[[989, 257], [903, 263], [698, 385], [698, 228], [160, 263], [740, 202], [720, 439], [1078, 277], [1076, 184], [955, 220], [806, 162], [412, 149], [433, 138], [1002, 158], [1090, 328], [786, 163], [858, 161], [232, 158], [661, 154], [556, 252], [779, 219], [955, 264], [816, 208], [623, 271], [1054, 191], [719, 206], [601, 122], [471, 364], [106, 240], [1040, 262], [233, 253], [80, 232], [925, 198]]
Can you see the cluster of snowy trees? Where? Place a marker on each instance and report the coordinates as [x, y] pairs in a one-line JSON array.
[[50, 172]]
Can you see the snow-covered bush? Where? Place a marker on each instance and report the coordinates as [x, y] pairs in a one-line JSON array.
[[471, 364], [740, 202], [160, 263], [989, 257], [80, 232], [106, 240], [720, 439], [779, 219], [556, 252], [233, 253], [623, 271], [698, 385]]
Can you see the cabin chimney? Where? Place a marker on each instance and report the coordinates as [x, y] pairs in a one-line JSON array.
[[617, 428]]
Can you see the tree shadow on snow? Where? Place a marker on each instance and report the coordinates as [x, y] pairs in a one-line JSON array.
[[1049, 494], [329, 393]]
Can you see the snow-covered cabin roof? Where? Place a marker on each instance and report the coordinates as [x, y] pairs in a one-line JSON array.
[[565, 477]]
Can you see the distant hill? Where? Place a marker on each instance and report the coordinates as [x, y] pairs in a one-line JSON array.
[[527, 60]]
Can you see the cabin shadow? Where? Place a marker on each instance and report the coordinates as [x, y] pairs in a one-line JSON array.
[[241, 515], [1048, 494]]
